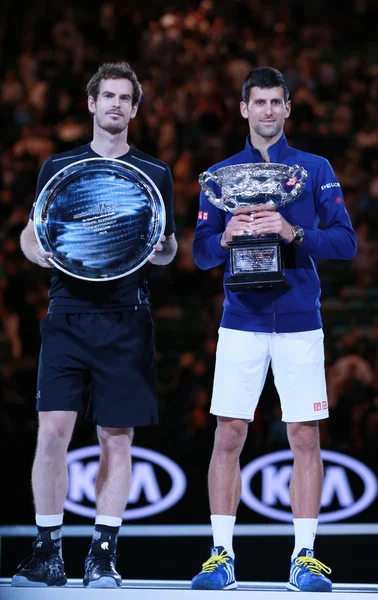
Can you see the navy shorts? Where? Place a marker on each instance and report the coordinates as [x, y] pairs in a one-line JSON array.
[[99, 363]]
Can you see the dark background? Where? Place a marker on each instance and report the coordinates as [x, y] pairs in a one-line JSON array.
[[191, 58]]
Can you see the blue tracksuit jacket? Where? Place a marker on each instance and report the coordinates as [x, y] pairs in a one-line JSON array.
[[321, 202]]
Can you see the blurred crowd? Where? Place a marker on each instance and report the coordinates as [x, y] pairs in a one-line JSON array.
[[191, 58]]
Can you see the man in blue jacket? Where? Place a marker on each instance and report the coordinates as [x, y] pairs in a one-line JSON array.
[[283, 328]]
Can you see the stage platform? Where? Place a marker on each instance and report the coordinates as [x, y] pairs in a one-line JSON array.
[[179, 590]]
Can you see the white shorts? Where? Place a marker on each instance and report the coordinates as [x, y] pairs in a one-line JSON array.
[[242, 363]]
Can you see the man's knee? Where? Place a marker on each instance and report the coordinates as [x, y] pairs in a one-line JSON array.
[[55, 432], [115, 440], [230, 434], [304, 437]]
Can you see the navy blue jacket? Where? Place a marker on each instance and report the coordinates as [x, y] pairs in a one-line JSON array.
[[321, 202]]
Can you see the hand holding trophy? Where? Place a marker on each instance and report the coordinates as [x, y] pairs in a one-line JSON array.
[[256, 258]]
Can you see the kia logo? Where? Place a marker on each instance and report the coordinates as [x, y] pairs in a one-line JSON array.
[[157, 483], [349, 486]]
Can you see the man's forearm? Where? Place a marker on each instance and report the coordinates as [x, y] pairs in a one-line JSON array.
[[167, 254], [29, 245], [31, 248]]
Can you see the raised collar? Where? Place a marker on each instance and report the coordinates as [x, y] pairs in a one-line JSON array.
[[276, 152]]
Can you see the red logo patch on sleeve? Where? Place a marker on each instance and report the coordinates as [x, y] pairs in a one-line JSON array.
[[317, 406], [205, 215], [339, 200], [325, 405], [200, 214]]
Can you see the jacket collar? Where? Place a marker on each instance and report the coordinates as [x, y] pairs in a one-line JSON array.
[[276, 152]]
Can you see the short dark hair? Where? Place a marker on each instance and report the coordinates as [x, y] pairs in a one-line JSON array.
[[119, 70], [264, 77]]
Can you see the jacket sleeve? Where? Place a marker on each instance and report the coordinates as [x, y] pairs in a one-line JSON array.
[[211, 223], [336, 238]]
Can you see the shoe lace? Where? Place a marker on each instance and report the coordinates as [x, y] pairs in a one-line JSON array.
[[313, 565], [105, 561], [33, 560], [211, 564]]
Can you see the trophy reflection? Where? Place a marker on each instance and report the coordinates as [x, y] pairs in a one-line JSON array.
[[256, 260]]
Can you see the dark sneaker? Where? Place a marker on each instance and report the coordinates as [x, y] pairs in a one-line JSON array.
[[100, 567], [306, 574], [40, 569]]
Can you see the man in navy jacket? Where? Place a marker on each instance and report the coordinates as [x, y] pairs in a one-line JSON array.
[[283, 328]]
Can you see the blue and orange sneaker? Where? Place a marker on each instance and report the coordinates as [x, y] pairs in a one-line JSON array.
[[217, 573], [306, 574]]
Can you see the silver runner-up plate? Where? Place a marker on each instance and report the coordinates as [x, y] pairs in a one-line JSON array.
[[99, 218]]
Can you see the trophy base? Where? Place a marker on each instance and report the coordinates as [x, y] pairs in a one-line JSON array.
[[256, 263], [252, 282]]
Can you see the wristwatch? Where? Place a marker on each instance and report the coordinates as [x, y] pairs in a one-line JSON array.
[[298, 234]]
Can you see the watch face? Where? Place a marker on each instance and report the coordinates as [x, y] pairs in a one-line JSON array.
[[298, 234]]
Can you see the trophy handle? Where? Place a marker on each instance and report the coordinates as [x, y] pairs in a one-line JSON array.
[[296, 183], [207, 190]]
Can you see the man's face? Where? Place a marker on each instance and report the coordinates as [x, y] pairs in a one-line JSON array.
[[113, 108], [266, 111]]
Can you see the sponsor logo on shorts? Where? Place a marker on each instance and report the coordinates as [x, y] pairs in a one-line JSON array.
[[327, 186], [202, 216], [157, 483], [324, 405], [349, 486], [317, 406]]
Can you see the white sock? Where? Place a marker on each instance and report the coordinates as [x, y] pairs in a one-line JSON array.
[[49, 520], [304, 531], [223, 530], [110, 521]]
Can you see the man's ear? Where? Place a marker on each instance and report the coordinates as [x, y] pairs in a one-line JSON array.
[[134, 111], [244, 110], [287, 109], [91, 104]]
